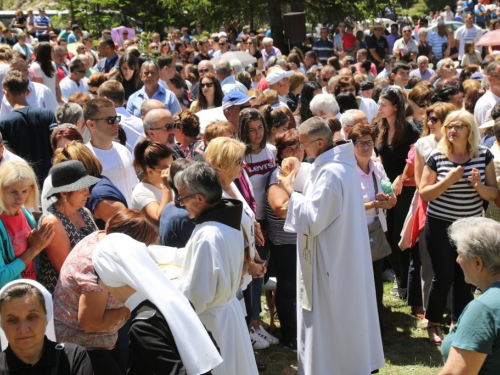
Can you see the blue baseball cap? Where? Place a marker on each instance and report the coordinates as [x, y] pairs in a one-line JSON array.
[[235, 98]]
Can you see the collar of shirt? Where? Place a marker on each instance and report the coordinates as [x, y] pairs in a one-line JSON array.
[[227, 80], [110, 59], [47, 360], [134, 300], [160, 91]]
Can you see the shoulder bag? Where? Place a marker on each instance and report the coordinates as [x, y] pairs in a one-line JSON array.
[[379, 246]]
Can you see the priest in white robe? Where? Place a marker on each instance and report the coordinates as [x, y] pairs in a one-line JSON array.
[[338, 329], [212, 268]]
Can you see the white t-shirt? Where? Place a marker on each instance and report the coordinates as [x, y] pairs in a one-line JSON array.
[[258, 168], [426, 145], [145, 194], [485, 102], [50, 82], [39, 96], [463, 34], [132, 126], [369, 107], [10, 156], [117, 166], [69, 87]]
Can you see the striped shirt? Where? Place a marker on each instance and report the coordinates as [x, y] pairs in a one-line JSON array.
[[460, 199], [42, 21], [275, 231], [437, 42], [323, 49]]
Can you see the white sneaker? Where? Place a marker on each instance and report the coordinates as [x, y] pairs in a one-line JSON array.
[[257, 341], [267, 336]]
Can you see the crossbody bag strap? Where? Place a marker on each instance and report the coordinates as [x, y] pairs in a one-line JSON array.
[[59, 351], [375, 185]]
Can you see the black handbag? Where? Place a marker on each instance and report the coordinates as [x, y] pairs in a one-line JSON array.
[[379, 246]]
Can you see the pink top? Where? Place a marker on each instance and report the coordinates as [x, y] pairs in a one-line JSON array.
[[77, 276], [411, 156], [18, 229]]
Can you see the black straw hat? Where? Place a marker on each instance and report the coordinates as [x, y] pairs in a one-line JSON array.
[[70, 176]]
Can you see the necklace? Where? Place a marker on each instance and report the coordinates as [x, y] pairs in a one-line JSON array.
[[257, 149]]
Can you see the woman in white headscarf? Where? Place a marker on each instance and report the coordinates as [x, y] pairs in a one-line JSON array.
[[27, 326], [166, 336]]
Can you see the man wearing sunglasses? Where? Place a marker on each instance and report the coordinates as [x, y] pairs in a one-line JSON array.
[[327, 72], [103, 123], [75, 81], [223, 46]]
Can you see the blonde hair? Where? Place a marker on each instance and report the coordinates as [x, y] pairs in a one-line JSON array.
[[216, 129], [78, 151], [467, 119], [223, 152], [18, 171]]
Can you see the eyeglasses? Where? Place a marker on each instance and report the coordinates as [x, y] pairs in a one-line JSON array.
[[455, 127], [304, 145], [110, 120], [249, 43], [203, 85], [240, 162], [204, 70], [407, 31], [222, 44], [181, 199], [167, 127], [434, 120], [364, 144], [423, 105]]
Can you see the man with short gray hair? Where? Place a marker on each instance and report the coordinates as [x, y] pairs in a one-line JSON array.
[[72, 113], [350, 118], [324, 105], [334, 251], [423, 71], [227, 81], [269, 50], [492, 96], [150, 76]]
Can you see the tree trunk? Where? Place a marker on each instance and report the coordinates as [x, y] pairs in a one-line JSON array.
[[276, 23]]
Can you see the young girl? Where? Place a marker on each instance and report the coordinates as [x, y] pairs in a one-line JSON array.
[[471, 56]]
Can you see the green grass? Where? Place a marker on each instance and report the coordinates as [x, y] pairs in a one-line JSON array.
[[410, 352]]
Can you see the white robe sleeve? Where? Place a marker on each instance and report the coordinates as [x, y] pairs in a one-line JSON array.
[[203, 276], [312, 213]]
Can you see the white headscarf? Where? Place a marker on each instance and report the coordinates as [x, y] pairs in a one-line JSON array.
[[49, 330], [120, 260]]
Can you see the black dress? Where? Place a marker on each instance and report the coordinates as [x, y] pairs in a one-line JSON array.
[[152, 345], [73, 360]]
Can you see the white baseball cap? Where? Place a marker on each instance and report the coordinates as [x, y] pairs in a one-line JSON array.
[[276, 75]]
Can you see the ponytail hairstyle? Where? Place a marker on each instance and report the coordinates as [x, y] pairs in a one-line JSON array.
[[147, 154]]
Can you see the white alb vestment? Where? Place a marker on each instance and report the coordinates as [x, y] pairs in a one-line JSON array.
[[209, 278], [341, 334]]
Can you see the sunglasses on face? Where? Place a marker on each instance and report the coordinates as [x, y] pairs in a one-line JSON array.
[[423, 105], [167, 127], [434, 120], [208, 85], [110, 120], [204, 70], [222, 44], [455, 127]]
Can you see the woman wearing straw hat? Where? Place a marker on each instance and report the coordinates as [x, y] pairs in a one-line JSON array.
[[27, 326], [72, 221]]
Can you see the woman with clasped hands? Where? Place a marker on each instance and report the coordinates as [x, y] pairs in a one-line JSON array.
[[457, 176], [472, 346]]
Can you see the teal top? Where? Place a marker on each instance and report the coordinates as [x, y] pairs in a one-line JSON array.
[[10, 266], [478, 330]]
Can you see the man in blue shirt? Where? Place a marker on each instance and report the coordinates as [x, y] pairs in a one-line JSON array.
[[468, 6], [106, 48], [42, 26], [323, 47], [150, 76], [480, 13], [185, 35]]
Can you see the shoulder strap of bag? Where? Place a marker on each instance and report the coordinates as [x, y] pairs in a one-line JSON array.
[[5, 239], [375, 185], [59, 351], [29, 217]]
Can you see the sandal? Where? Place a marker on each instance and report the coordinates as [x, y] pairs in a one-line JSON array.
[[437, 339]]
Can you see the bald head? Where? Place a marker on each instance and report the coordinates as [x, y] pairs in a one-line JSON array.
[[345, 72], [204, 65], [149, 105]]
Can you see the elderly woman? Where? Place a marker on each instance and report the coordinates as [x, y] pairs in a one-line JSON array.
[[187, 131], [371, 174], [19, 191], [71, 220], [209, 95], [26, 306], [227, 157], [153, 193], [161, 317], [472, 345], [457, 176], [282, 244], [85, 313], [424, 48], [64, 134]]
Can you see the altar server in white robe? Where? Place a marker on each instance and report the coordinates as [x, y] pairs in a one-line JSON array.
[[338, 330], [212, 268]]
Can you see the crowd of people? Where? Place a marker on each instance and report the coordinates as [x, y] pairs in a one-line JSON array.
[[152, 191]]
